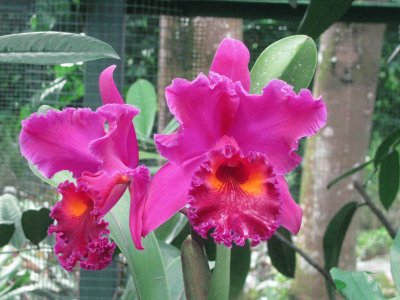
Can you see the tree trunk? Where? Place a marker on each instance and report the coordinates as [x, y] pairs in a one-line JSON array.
[[187, 47], [347, 78], [208, 33]]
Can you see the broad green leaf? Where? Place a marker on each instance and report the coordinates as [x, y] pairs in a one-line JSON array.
[[283, 258], [348, 173], [171, 126], [45, 108], [334, 237], [335, 234], [195, 269], [142, 95], [129, 290], [56, 179], [292, 59], [144, 155], [211, 248], [220, 278], [240, 266], [10, 212], [389, 177], [181, 237], [356, 285], [384, 148], [395, 261], [322, 14], [35, 224], [46, 48], [147, 266], [173, 267], [6, 232], [169, 230]]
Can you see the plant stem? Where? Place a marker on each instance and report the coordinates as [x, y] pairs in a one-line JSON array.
[[26, 249], [315, 265], [220, 279], [368, 201]]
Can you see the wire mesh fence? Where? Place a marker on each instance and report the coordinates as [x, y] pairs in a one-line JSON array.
[[155, 43]]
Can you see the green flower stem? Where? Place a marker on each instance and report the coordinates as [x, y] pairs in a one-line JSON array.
[[220, 280]]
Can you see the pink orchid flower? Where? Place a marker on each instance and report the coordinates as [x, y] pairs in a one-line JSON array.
[[100, 149], [228, 158]]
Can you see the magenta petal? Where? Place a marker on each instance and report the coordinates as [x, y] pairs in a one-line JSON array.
[[59, 140], [118, 148], [273, 123], [167, 193], [291, 212], [232, 60], [206, 108], [108, 90], [81, 234], [107, 188], [138, 189]]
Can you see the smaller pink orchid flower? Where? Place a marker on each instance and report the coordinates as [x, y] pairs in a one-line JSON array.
[[100, 149], [228, 159]]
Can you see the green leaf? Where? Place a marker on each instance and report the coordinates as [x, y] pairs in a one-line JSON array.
[[6, 232], [46, 48], [334, 237], [220, 279], [386, 146], [196, 272], [240, 266], [171, 126], [292, 59], [322, 14], [348, 173], [10, 212], [147, 266], [283, 258], [56, 179], [181, 236], [389, 177], [173, 267], [45, 108], [35, 224], [395, 261], [335, 234], [169, 230], [356, 285], [142, 95], [129, 290], [144, 155]]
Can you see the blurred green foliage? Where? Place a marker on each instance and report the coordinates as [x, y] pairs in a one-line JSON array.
[[372, 243]]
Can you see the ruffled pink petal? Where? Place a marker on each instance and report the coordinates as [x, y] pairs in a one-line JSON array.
[[292, 213], [118, 148], [59, 140], [81, 234], [235, 195], [232, 60], [205, 108], [273, 123], [108, 90], [167, 193], [138, 189]]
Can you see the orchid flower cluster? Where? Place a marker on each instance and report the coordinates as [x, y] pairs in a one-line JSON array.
[[225, 170]]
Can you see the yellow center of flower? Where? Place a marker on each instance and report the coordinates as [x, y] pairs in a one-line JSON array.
[[248, 180], [77, 206]]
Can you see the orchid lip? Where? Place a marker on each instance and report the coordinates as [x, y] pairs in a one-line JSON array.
[[236, 196]]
